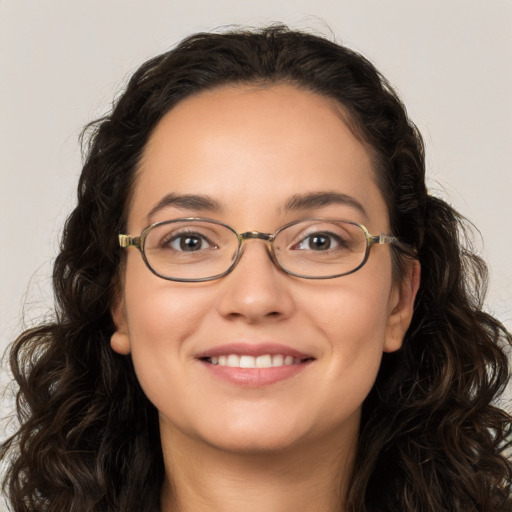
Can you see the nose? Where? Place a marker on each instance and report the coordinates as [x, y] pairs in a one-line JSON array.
[[256, 289]]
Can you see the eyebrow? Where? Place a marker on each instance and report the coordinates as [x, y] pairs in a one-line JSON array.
[[186, 202], [309, 201], [314, 200]]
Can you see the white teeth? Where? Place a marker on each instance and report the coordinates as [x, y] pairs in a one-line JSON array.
[[264, 361], [247, 362], [277, 360], [233, 360]]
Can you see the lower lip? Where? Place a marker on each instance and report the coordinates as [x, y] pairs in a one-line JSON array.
[[256, 377]]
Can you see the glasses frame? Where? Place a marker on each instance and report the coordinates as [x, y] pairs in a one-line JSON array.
[[139, 242]]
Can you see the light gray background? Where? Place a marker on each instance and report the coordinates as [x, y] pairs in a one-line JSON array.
[[61, 63]]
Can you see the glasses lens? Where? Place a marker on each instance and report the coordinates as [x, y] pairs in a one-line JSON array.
[[320, 248], [190, 249]]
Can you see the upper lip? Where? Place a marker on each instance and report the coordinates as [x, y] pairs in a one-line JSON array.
[[253, 349]]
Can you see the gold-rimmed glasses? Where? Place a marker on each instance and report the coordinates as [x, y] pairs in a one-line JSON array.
[[196, 249]]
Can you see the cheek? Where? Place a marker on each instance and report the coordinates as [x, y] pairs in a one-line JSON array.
[[354, 322], [161, 316], [353, 313], [159, 311], [155, 315]]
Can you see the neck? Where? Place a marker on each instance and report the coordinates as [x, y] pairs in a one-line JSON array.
[[313, 478]]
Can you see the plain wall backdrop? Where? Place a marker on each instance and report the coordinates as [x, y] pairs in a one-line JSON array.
[[61, 63]]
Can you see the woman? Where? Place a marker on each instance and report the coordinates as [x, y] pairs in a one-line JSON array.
[[259, 307]]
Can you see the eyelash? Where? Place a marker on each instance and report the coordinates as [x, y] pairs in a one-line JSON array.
[[165, 243], [339, 240]]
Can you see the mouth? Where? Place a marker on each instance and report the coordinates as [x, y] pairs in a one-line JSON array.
[[254, 365], [262, 361]]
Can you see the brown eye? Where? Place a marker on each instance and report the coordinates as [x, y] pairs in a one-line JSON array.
[[188, 242], [321, 241]]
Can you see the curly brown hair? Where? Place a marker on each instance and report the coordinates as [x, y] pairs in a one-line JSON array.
[[432, 437]]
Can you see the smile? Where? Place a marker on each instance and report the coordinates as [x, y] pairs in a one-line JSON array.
[[254, 365], [263, 361]]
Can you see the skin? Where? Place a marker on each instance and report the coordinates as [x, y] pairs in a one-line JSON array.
[[231, 448]]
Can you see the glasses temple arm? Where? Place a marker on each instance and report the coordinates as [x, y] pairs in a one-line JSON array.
[[402, 246], [129, 241]]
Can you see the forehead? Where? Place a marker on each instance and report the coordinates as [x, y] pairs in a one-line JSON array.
[[251, 149]]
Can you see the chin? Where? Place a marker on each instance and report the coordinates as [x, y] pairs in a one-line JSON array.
[[253, 434], [254, 443]]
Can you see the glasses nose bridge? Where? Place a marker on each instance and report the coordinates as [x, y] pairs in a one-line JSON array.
[[256, 235]]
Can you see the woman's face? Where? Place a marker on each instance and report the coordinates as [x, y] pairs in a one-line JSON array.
[[249, 151]]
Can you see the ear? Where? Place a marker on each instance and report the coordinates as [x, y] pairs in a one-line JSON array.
[[120, 341], [402, 306]]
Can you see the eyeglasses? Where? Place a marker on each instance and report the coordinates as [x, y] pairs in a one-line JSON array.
[[196, 249]]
